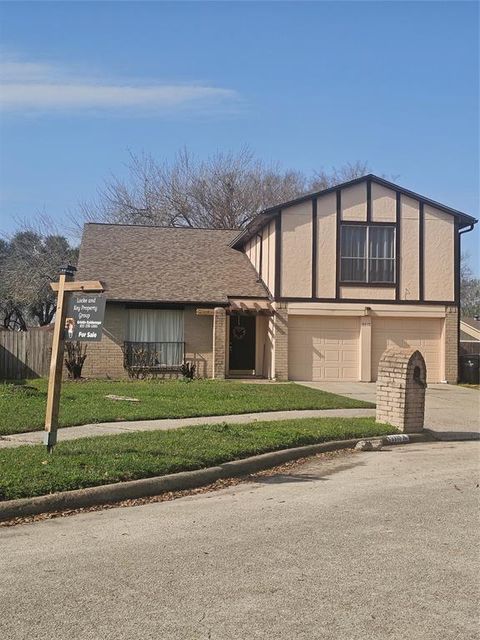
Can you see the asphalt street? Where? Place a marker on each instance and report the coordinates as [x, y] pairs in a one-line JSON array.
[[381, 545]]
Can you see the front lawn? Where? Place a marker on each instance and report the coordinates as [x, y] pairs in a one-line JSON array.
[[30, 471], [22, 406]]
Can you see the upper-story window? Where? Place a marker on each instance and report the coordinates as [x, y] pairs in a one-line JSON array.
[[367, 253]]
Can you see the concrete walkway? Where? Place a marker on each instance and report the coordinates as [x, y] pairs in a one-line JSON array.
[[451, 411], [111, 428]]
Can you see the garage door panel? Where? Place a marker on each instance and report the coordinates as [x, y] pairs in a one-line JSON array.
[[332, 372], [333, 356], [323, 348], [423, 334]]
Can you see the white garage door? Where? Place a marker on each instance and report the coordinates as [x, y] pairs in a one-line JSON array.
[[422, 334], [323, 348]]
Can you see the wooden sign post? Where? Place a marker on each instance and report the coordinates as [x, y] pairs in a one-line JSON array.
[[63, 286]]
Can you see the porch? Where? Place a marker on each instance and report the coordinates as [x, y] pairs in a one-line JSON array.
[[249, 339]]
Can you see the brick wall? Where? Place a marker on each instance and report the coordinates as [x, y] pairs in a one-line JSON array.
[[280, 337], [105, 358], [451, 345], [199, 342], [219, 342]]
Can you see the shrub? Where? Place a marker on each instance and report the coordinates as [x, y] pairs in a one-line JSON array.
[[74, 358]]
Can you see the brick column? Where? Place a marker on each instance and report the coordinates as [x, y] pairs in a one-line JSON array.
[[451, 345], [280, 337], [401, 385], [365, 349], [219, 342]]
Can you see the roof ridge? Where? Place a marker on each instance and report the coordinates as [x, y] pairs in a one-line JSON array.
[[379, 180], [266, 214], [158, 226]]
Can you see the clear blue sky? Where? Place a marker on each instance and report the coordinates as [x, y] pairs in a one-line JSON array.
[[306, 84]]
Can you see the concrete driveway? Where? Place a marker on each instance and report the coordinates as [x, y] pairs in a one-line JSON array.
[[448, 408], [366, 546]]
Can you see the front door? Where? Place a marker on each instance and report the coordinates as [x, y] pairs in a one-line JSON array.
[[242, 343]]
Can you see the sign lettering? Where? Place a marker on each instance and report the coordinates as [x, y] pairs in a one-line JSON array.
[[84, 317]]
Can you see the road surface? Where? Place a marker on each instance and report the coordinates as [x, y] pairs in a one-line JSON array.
[[379, 545]]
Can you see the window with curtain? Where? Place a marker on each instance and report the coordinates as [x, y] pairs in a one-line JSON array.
[[158, 333], [367, 253]]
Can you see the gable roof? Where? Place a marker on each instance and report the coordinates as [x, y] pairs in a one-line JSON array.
[[164, 264], [267, 214]]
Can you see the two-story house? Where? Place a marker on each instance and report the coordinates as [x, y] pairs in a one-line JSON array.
[[312, 289]]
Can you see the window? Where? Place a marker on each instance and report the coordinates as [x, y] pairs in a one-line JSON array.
[[367, 253], [155, 337]]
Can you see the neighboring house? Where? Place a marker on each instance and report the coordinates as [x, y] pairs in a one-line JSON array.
[[470, 336], [312, 289]]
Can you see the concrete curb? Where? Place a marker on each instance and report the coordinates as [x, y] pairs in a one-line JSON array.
[[110, 493], [453, 436]]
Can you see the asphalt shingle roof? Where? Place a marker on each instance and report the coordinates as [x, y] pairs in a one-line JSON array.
[[472, 322], [141, 263]]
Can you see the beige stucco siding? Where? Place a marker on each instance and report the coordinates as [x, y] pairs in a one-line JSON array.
[[354, 202], [252, 249], [409, 248], [296, 276], [268, 255], [367, 293], [384, 203], [296, 247], [326, 245], [439, 238], [248, 250]]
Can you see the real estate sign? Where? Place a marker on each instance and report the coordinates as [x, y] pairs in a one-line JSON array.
[[84, 317]]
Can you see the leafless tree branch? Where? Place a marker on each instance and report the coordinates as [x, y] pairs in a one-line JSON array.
[[225, 190]]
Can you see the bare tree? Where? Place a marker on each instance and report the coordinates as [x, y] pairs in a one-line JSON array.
[[29, 260], [469, 289], [323, 179], [226, 190]]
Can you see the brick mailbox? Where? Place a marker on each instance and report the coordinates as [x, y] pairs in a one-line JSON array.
[[401, 385]]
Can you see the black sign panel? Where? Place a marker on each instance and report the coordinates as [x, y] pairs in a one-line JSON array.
[[84, 319]]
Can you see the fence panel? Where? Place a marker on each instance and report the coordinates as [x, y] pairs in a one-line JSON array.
[[25, 354]]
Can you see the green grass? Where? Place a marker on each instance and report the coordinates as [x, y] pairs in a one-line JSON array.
[[22, 406], [30, 471]]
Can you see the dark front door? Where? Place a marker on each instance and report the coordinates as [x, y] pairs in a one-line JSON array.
[[242, 343]]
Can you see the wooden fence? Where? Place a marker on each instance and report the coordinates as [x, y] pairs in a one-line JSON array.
[[25, 354]]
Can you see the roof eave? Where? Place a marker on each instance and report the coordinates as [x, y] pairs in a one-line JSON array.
[[464, 218], [256, 223]]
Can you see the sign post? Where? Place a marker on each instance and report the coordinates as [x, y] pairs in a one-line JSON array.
[[85, 328]]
